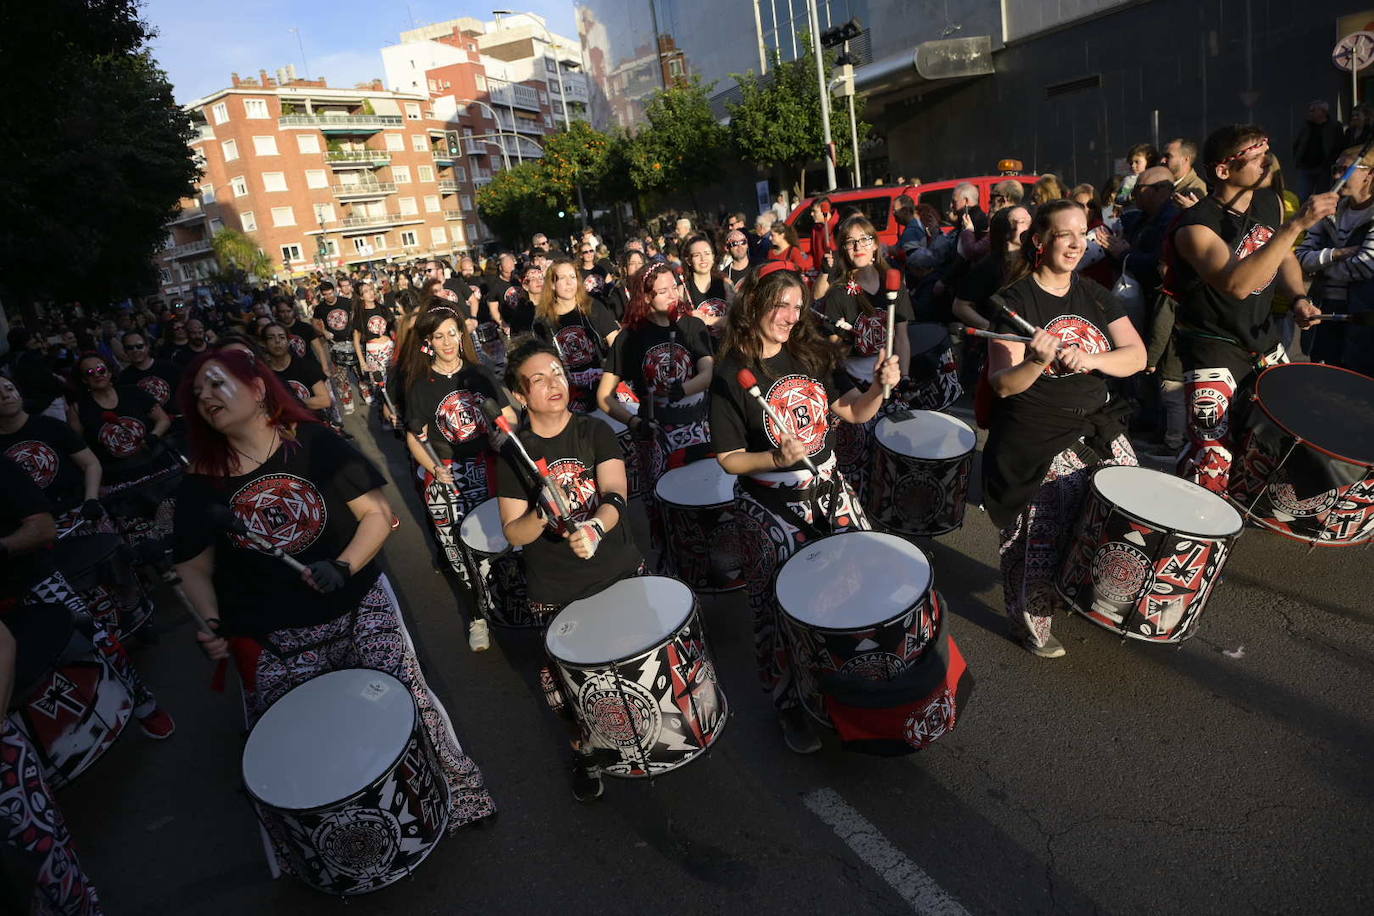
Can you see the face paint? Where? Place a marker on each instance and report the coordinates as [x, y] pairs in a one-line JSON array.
[[222, 383]]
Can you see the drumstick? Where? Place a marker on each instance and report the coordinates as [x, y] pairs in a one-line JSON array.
[[892, 284], [1022, 325], [556, 495], [222, 516], [749, 383], [836, 322], [1360, 318], [1350, 172], [993, 335], [417, 429]]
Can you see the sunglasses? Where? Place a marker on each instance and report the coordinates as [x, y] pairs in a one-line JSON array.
[[737, 244], [97, 370], [136, 347]]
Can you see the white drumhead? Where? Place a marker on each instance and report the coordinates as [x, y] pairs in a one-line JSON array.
[[481, 528], [927, 434], [854, 580], [616, 426], [328, 738], [701, 483], [619, 622], [1168, 501]]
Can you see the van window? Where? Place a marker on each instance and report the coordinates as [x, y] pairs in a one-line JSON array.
[[938, 198], [876, 209]]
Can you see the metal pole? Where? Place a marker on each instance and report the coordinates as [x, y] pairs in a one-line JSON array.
[[1154, 126], [854, 136], [300, 44], [824, 91], [758, 31], [505, 156]]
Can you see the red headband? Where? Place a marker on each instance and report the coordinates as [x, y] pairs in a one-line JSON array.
[[773, 267]]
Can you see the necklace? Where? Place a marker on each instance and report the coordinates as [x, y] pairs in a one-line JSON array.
[[1057, 290], [268, 454]]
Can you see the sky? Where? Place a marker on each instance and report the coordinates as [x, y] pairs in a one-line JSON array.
[[200, 43]]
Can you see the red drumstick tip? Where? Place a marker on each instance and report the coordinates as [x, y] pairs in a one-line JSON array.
[[892, 280], [746, 379]]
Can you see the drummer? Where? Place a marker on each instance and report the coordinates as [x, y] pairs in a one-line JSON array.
[[580, 327], [301, 374], [56, 458], [444, 391], [855, 294], [780, 504], [1053, 423], [284, 475], [594, 548]]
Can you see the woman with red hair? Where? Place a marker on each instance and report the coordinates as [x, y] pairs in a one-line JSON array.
[[664, 354], [258, 452]]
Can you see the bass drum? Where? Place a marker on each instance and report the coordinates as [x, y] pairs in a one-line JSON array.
[[99, 568], [920, 484], [702, 545], [934, 377], [505, 576], [637, 482]]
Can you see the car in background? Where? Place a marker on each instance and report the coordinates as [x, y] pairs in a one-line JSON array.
[[876, 204]]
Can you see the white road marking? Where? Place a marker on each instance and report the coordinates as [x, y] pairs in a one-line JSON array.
[[905, 877]]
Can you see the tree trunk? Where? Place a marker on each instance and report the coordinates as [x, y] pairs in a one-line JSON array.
[[801, 183]]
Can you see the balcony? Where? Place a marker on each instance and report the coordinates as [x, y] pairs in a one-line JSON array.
[[481, 181], [187, 215], [521, 125], [442, 157], [475, 147], [188, 249], [364, 189], [513, 94], [453, 214], [352, 225], [341, 123], [448, 187], [357, 158]]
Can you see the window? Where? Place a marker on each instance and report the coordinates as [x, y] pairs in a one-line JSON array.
[[426, 173], [438, 236], [361, 246], [255, 108], [239, 186], [265, 146], [460, 173], [412, 111], [543, 99], [324, 213], [291, 253], [164, 275], [408, 207], [408, 238], [400, 174], [316, 178], [674, 68], [433, 85], [481, 82], [379, 242], [198, 157], [207, 193], [249, 221], [230, 148], [395, 142], [274, 181], [216, 226], [283, 216], [331, 247], [220, 113], [466, 202], [307, 143], [419, 142], [432, 203]]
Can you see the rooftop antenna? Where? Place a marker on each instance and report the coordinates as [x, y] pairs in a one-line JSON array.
[[301, 45]]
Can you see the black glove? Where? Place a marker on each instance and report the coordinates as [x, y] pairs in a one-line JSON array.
[[675, 392], [92, 510], [329, 575]]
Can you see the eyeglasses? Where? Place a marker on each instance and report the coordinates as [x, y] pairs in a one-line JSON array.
[[858, 244], [97, 370], [736, 244], [136, 346]]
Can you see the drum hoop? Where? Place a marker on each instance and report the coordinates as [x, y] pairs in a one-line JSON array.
[[693, 610], [959, 457], [690, 506], [930, 588], [1307, 443], [1157, 526], [416, 722]]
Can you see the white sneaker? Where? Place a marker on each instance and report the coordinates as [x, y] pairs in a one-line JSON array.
[[479, 639]]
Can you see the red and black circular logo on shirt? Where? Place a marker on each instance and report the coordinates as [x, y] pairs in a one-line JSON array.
[[711, 308], [1075, 333], [297, 344], [459, 416], [593, 284], [666, 363], [576, 345], [870, 333], [579, 483], [800, 402], [156, 386], [38, 458], [376, 325], [299, 390], [121, 436], [284, 509], [336, 319]]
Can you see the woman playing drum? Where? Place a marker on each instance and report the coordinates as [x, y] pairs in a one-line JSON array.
[[779, 502], [580, 328], [1052, 424], [299, 488]]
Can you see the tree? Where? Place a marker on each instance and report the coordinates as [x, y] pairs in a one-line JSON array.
[[576, 160], [239, 257], [519, 202], [98, 152], [777, 121], [680, 144]]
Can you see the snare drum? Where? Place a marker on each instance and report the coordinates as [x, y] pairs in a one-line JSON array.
[[481, 532], [346, 782], [920, 483], [67, 698], [1306, 467], [856, 603], [98, 567], [1147, 552], [702, 543], [637, 485], [933, 373], [638, 674]]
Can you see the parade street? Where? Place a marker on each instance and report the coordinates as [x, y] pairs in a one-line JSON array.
[[1229, 775]]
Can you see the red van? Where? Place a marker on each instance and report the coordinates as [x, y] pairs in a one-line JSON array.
[[876, 204]]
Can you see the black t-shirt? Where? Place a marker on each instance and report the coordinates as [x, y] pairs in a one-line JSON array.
[[459, 286], [44, 447], [518, 311], [300, 376], [1080, 317], [298, 501], [618, 301], [181, 356], [736, 275], [300, 337], [495, 291], [868, 314], [582, 337], [595, 281], [19, 499], [980, 283], [337, 319], [1206, 310], [709, 304], [159, 380], [654, 357], [119, 435], [803, 401], [451, 406], [554, 574]]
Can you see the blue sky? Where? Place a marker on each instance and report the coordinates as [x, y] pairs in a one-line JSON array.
[[200, 43]]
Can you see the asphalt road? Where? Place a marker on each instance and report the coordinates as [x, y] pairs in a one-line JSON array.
[[1232, 775]]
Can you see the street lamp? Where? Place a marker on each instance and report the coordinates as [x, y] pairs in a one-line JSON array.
[[505, 156], [825, 93]]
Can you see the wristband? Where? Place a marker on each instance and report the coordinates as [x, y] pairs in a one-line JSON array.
[[616, 500]]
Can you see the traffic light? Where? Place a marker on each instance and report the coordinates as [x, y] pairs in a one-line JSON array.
[[451, 141], [833, 38]]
